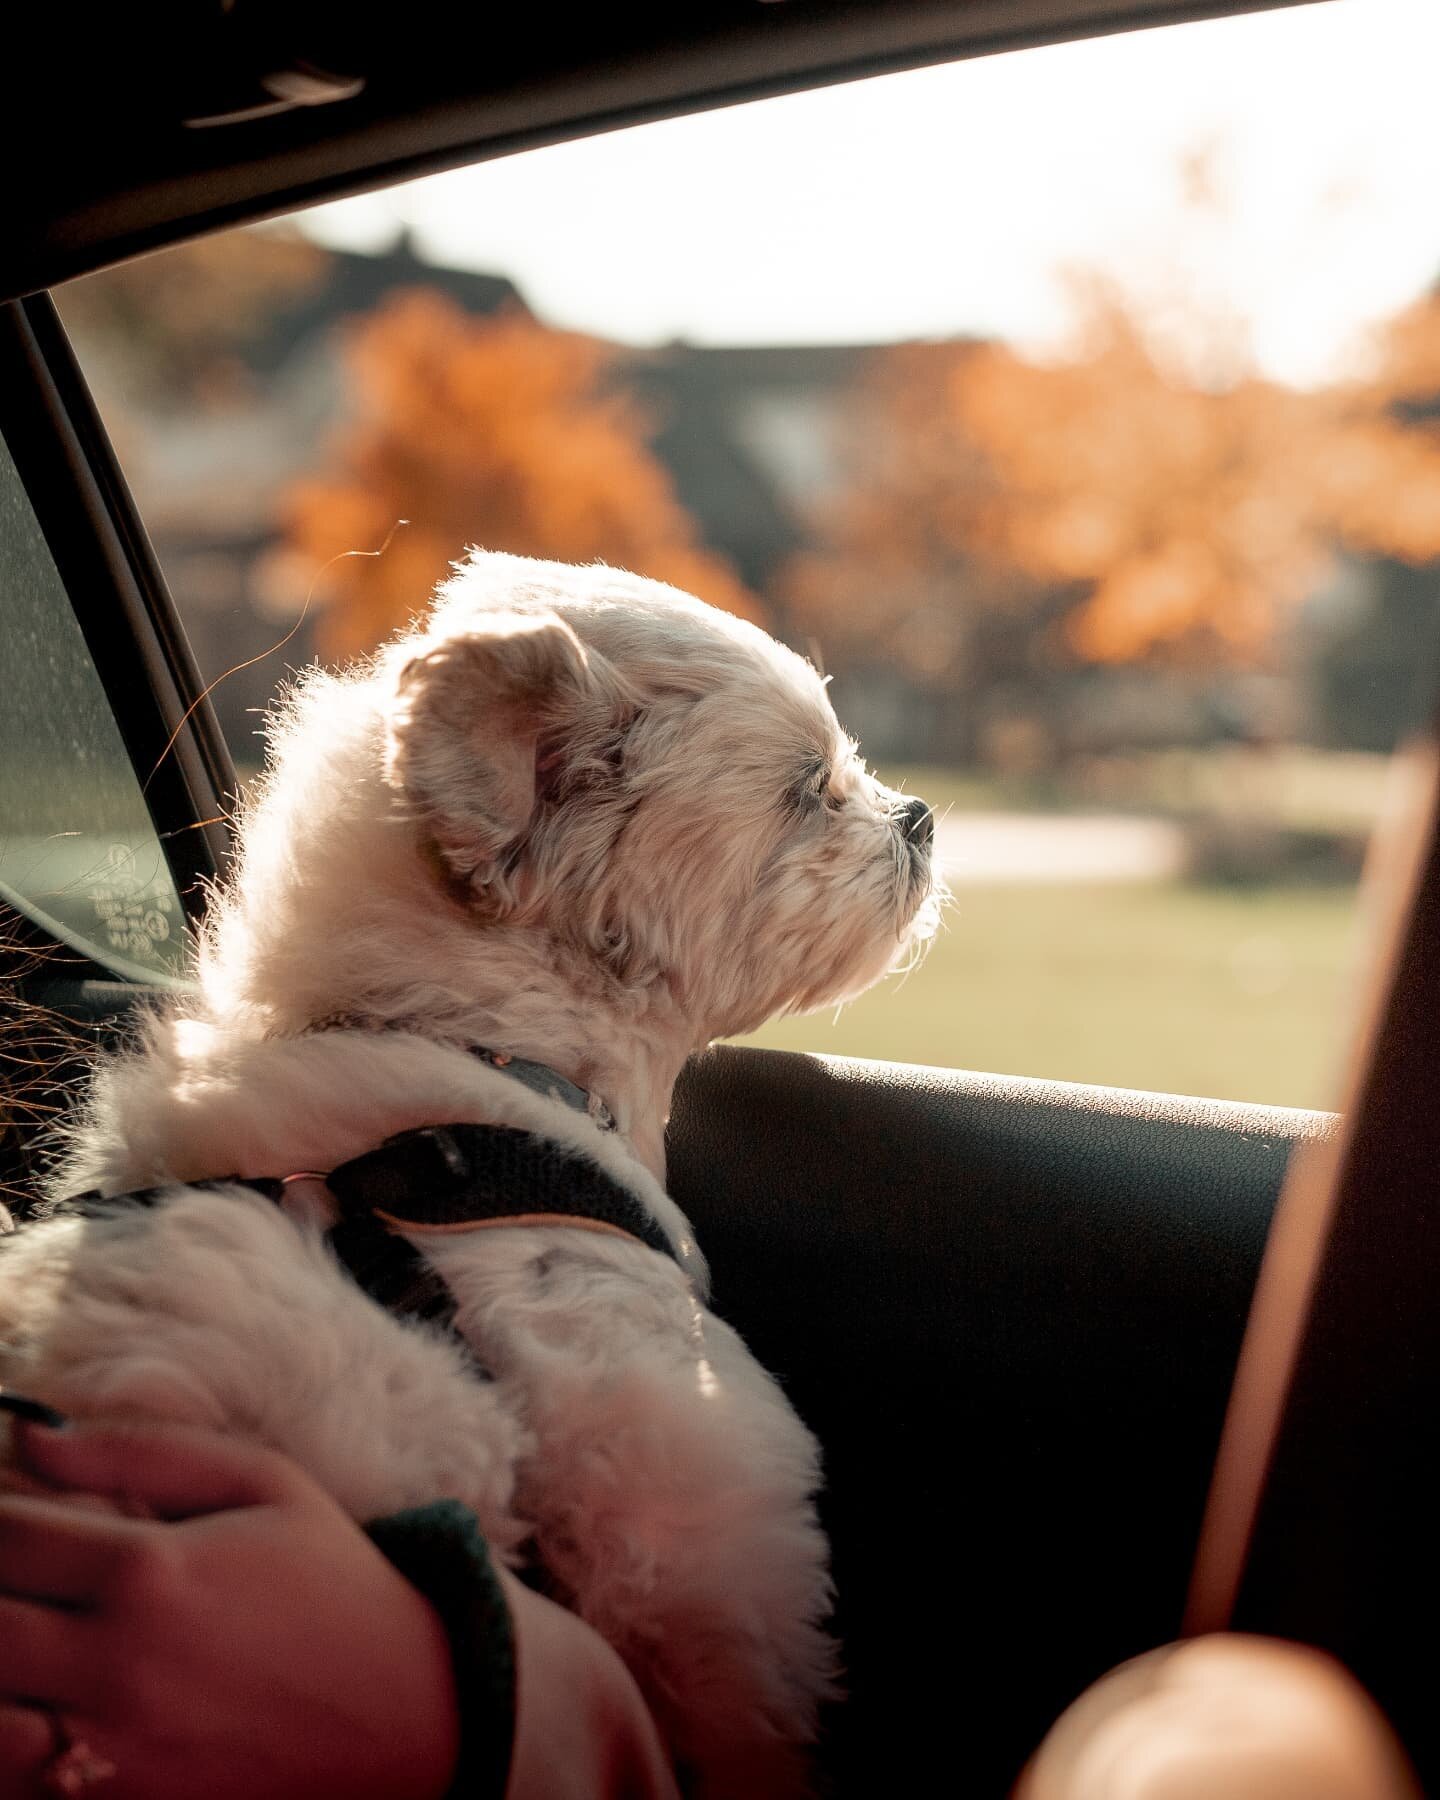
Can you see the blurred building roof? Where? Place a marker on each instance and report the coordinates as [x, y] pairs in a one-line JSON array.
[[358, 282]]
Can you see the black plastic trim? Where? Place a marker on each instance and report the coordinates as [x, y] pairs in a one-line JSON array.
[[442, 90]]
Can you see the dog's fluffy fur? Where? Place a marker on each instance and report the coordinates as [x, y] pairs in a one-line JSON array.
[[585, 819]]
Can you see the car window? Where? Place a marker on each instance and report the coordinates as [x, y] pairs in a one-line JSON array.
[[1074, 408], [78, 853]]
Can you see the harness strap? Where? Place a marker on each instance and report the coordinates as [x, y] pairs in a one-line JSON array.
[[459, 1177], [441, 1179]]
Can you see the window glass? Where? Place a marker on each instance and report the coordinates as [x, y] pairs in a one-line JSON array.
[[1076, 408], [78, 853]]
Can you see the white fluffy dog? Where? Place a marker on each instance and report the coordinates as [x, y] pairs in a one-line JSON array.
[[580, 820]]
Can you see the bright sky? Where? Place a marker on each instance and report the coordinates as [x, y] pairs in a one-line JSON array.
[[953, 199]]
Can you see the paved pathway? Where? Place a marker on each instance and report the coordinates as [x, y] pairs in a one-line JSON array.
[[987, 849]]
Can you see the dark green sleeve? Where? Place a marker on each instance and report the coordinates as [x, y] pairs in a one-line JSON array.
[[439, 1549]]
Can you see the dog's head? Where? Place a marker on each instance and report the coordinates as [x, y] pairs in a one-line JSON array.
[[656, 783]]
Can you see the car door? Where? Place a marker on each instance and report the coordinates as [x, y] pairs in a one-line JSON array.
[[1011, 1309]]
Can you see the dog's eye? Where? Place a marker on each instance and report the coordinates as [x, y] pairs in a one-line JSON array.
[[808, 794]]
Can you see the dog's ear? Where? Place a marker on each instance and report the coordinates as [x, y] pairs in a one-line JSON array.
[[468, 722]]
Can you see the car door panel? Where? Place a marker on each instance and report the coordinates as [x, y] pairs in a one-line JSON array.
[[1011, 1310]]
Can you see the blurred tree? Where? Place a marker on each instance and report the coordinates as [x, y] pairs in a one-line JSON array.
[[495, 432], [1109, 508], [167, 329]]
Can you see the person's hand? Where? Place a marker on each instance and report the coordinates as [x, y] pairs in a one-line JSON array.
[[1249, 1718], [245, 1640], [197, 1612]]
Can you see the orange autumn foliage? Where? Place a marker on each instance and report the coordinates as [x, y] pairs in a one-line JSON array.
[[492, 432], [1173, 520]]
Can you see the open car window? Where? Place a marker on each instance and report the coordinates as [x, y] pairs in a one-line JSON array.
[[1103, 516]]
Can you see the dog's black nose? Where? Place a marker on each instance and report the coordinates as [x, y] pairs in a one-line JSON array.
[[917, 824]]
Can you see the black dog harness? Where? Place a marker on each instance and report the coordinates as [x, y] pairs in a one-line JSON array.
[[446, 1179]]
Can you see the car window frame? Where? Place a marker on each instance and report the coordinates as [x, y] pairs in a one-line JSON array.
[[203, 138], [118, 594]]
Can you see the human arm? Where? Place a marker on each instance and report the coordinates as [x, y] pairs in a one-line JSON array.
[[245, 1638]]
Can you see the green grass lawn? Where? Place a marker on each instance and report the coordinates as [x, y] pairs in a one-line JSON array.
[[1239, 993], [1233, 993]]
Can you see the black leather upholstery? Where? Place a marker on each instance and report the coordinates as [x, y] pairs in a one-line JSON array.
[[1011, 1310]]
